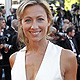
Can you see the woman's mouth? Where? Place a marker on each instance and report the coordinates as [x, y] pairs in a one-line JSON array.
[[35, 33]]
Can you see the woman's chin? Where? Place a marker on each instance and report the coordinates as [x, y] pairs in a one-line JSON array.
[[35, 40]]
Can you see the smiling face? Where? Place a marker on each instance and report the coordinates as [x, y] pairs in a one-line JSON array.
[[35, 23]]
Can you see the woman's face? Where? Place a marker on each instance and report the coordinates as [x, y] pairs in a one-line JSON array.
[[35, 23]]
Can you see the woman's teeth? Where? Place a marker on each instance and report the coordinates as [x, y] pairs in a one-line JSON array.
[[36, 33]]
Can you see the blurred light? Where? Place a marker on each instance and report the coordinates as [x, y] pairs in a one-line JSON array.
[[57, 3], [15, 6], [68, 3], [2, 2]]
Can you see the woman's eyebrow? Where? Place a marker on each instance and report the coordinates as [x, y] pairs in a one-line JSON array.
[[26, 17], [31, 17]]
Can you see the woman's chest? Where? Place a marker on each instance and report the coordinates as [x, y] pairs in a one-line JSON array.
[[33, 63]]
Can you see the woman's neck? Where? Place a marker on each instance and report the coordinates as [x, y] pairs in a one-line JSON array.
[[38, 46]]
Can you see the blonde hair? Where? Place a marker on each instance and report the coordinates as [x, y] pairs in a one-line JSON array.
[[26, 3]]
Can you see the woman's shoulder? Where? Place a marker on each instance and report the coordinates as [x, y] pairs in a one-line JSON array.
[[12, 59], [68, 59], [68, 54], [13, 56]]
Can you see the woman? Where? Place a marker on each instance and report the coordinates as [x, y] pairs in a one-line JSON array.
[[40, 59]]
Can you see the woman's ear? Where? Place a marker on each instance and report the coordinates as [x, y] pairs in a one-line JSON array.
[[21, 23], [49, 21]]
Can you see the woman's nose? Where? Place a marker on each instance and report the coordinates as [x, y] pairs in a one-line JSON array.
[[34, 25]]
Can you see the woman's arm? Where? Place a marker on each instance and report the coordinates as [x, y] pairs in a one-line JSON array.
[[12, 59], [69, 62]]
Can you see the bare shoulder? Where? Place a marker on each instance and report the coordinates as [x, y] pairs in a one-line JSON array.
[[68, 54], [12, 59], [69, 64]]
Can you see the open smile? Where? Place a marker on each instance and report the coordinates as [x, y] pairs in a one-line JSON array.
[[35, 33]]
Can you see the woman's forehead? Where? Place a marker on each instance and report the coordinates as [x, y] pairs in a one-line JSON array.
[[35, 10]]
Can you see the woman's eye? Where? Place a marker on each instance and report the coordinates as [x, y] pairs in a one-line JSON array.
[[40, 19], [27, 20]]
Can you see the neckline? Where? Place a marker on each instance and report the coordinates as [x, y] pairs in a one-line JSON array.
[[42, 61], [40, 64]]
